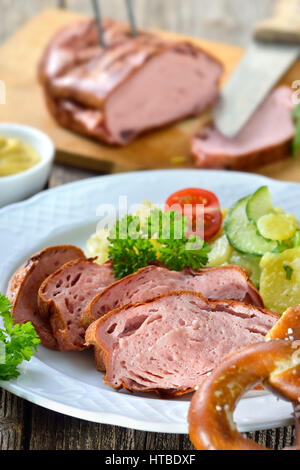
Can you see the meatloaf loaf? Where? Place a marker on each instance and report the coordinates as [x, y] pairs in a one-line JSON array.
[[169, 344], [64, 294], [23, 287], [132, 85], [225, 282]]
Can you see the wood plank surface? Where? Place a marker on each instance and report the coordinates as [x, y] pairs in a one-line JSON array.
[[25, 104], [27, 426], [166, 148]]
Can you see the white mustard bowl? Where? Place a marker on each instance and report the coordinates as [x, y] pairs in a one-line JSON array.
[[16, 187]]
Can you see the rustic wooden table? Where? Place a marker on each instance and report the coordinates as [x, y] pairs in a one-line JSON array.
[[27, 426]]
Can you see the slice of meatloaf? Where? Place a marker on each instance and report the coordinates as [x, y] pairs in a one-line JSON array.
[[64, 294], [169, 344], [265, 139], [131, 86], [225, 282], [23, 287]]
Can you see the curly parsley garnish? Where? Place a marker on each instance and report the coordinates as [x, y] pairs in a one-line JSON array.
[[127, 249], [17, 342], [161, 239]]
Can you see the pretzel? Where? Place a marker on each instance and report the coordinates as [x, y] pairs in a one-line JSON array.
[[275, 363], [288, 326]]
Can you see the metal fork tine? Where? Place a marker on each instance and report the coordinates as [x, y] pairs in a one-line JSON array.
[[131, 18], [98, 17]]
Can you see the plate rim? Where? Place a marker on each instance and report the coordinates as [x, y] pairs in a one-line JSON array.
[[82, 182], [108, 417]]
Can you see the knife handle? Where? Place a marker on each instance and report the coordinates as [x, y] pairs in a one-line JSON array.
[[284, 26]]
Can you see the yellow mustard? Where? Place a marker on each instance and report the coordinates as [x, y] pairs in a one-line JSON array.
[[16, 156]]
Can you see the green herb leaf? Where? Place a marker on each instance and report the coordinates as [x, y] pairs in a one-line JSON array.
[[288, 271], [296, 140], [20, 342], [176, 251], [165, 225], [162, 238], [177, 254], [128, 251]]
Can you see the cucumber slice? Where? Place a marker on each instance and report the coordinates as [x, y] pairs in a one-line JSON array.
[[250, 264], [259, 204], [242, 234], [220, 252]]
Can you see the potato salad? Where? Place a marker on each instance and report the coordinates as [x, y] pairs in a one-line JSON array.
[[253, 234]]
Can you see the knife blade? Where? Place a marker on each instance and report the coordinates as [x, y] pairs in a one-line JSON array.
[[131, 18], [275, 49], [98, 18], [258, 72]]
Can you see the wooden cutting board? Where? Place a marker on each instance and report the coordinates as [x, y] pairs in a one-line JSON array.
[[167, 148]]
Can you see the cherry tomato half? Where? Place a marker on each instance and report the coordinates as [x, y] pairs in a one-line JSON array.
[[194, 197]]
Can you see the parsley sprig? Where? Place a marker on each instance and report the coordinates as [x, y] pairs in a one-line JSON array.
[[127, 250], [296, 141], [161, 239], [20, 342]]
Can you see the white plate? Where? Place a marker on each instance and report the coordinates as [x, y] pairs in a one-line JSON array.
[[68, 382]]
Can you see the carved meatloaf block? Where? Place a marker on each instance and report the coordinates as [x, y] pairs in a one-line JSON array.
[[266, 138], [226, 282], [169, 344], [64, 294], [23, 287], [131, 86]]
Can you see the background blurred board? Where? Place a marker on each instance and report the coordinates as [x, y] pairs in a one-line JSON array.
[[165, 148], [24, 425]]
